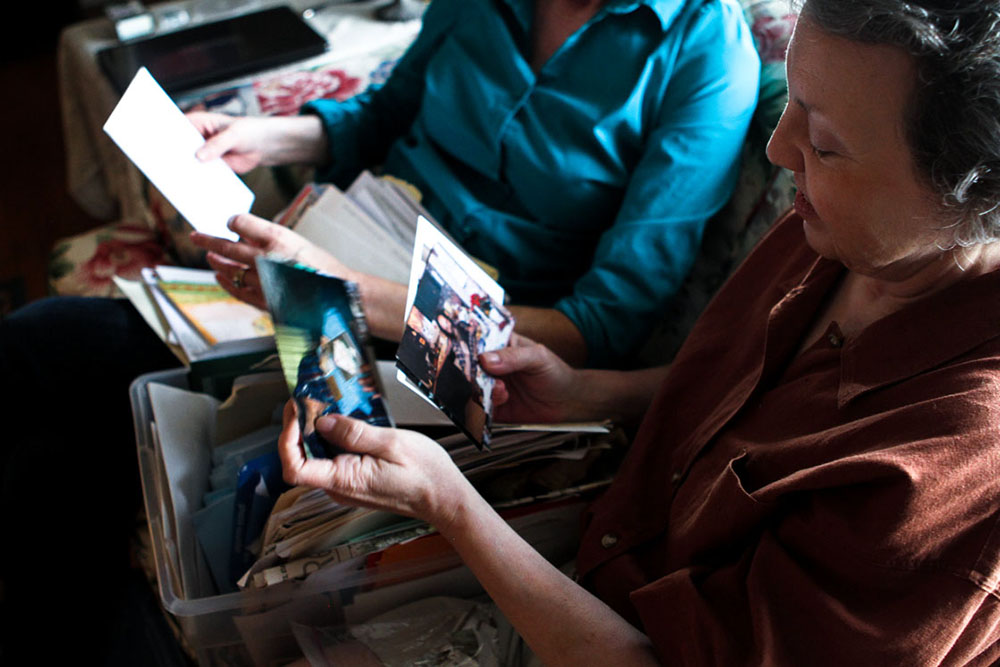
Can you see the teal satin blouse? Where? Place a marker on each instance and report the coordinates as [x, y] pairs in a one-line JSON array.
[[587, 185]]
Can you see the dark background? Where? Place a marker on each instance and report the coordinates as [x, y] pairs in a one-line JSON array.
[[35, 208]]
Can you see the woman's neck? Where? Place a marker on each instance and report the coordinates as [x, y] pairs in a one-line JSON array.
[[860, 299], [940, 272], [555, 21]]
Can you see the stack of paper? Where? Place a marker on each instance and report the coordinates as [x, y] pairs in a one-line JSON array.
[[251, 530], [524, 473], [196, 318], [370, 227]]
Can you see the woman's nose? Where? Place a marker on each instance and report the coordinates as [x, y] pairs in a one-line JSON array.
[[783, 149]]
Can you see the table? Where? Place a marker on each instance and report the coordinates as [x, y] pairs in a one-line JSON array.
[[108, 187]]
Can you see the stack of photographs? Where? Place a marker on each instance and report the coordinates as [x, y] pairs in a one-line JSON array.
[[454, 313]]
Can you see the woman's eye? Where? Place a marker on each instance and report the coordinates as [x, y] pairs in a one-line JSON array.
[[821, 153]]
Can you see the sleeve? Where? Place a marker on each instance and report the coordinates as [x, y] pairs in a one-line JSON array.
[[360, 130], [892, 559], [685, 175]]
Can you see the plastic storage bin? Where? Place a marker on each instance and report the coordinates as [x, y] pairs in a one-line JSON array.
[[254, 627]]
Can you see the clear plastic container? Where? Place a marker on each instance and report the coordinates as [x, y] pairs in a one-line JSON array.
[[253, 627]]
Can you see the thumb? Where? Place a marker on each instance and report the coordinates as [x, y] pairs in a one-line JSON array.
[[513, 359], [355, 436]]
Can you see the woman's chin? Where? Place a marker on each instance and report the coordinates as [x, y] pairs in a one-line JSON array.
[[817, 239]]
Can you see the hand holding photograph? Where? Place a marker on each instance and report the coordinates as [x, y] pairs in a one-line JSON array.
[[454, 313]]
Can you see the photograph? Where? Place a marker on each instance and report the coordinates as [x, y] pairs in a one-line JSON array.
[[452, 319], [323, 344]]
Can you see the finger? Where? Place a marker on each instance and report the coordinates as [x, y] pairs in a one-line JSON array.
[[513, 359], [290, 444], [252, 296], [228, 270], [236, 251], [208, 122], [500, 394], [354, 435], [256, 230], [517, 340], [218, 143]]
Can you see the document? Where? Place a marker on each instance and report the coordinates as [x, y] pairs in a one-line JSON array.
[[156, 136]]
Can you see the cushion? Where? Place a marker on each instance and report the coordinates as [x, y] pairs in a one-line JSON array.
[[84, 265]]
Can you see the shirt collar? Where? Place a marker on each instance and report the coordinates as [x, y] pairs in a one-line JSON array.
[[929, 333], [665, 10]]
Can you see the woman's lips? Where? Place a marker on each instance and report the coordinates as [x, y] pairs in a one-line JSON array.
[[803, 207]]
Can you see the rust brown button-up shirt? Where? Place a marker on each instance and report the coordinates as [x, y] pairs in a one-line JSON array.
[[836, 507]]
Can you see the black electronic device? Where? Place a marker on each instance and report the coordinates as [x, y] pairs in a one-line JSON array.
[[212, 52]]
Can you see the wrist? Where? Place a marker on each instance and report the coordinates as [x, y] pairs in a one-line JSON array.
[[384, 303], [297, 140], [458, 508]]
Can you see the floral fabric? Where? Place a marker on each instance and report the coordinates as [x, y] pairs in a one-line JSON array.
[[84, 265]]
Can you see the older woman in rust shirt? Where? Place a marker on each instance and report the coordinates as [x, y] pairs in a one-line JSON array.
[[817, 477]]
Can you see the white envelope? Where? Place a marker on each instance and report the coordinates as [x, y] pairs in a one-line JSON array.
[[154, 133]]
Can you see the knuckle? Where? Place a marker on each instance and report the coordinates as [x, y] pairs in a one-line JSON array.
[[353, 434]]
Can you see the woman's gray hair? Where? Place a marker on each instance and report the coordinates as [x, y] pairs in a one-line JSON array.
[[953, 122]]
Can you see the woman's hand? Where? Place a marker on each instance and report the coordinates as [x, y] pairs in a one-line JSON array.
[[245, 142], [536, 385], [398, 471], [233, 261]]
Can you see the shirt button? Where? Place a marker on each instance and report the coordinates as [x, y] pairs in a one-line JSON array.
[[675, 477], [609, 540], [834, 339]]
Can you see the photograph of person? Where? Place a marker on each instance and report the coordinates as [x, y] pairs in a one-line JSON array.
[[453, 321], [321, 337]]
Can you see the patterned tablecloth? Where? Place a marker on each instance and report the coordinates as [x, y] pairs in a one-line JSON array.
[[108, 187]]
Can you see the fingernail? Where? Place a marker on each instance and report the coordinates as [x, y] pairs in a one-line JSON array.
[[230, 222], [491, 358]]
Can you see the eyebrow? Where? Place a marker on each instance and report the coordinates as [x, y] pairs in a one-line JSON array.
[[805, 106], [826, 125]]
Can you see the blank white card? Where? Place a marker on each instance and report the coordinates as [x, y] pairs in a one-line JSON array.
[[154, 133]]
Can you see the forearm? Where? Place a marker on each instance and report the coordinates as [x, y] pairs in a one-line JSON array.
[[296, 140], [622, 396], [562, 622], [384, 303]]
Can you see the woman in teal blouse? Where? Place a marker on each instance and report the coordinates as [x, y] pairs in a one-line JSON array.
[[577, 146]]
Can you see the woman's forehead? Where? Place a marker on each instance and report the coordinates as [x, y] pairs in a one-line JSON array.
[[845, 81]]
